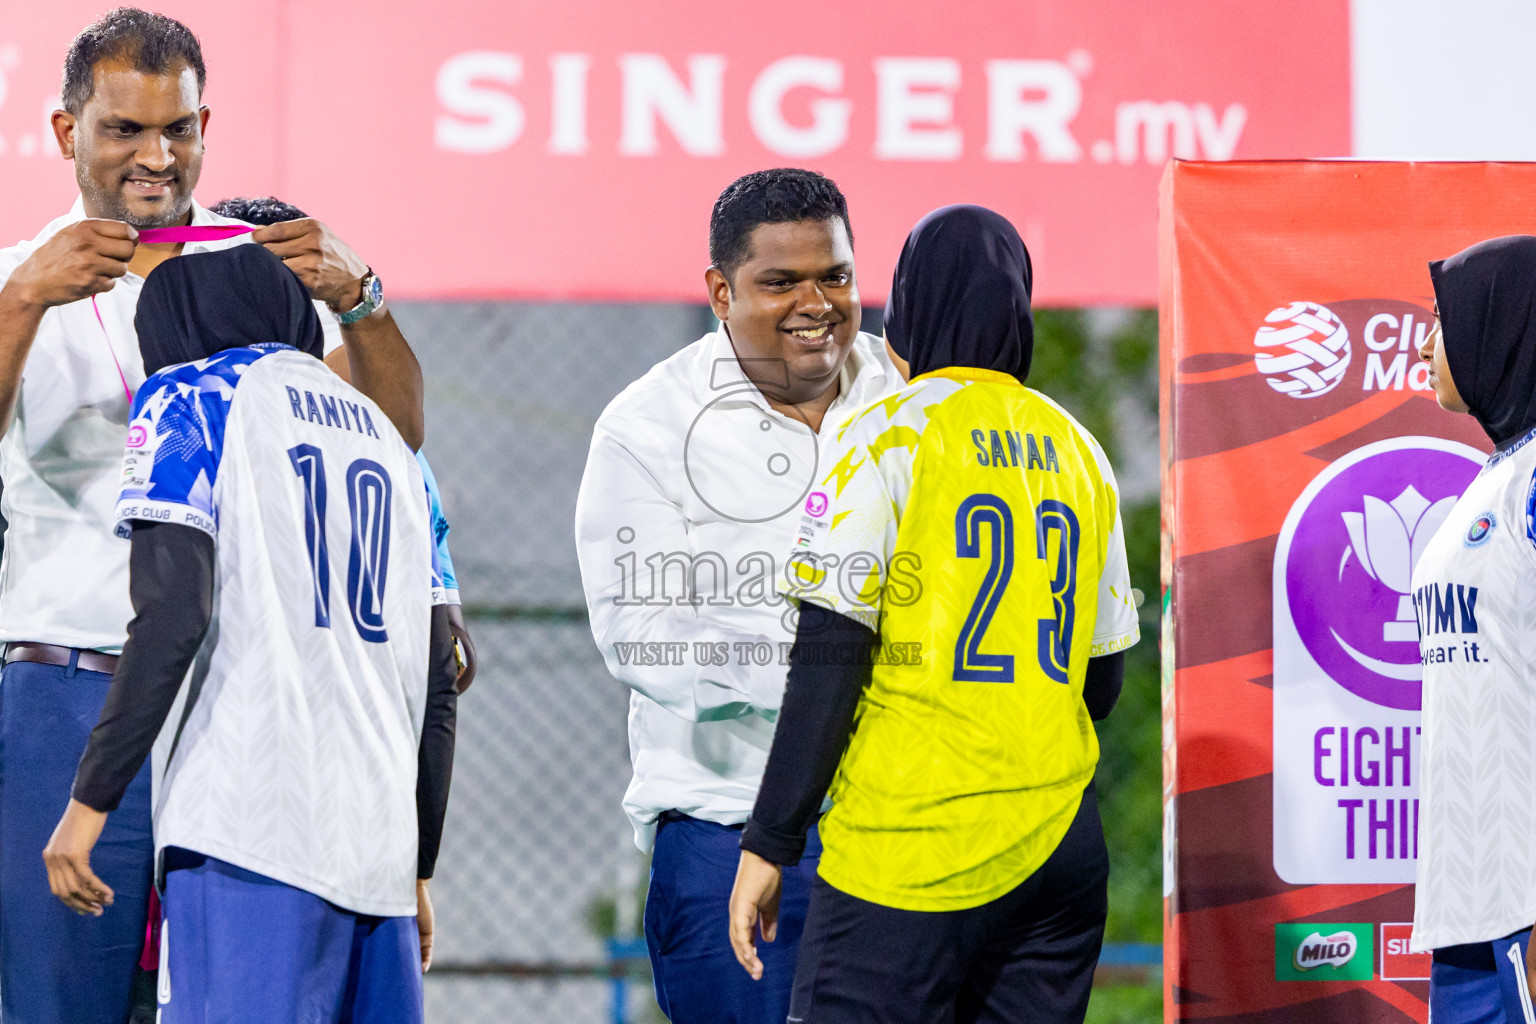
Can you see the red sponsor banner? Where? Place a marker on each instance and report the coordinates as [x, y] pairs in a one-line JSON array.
[[476, 149], [1305, 460], [1397, 963]]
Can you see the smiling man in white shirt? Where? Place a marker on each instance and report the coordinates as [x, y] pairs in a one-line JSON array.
[[695, 486], [133, 125]]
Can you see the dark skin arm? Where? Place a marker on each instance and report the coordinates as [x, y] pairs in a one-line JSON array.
[[461, 634], [378, 360], [82, 260]]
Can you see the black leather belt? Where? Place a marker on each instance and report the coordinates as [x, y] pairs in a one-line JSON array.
[[52, 654]]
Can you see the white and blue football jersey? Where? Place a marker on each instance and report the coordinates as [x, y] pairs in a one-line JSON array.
[[440, 530], [291, 750], [1474, 590]]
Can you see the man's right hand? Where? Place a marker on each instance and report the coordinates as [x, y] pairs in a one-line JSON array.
[[424, 923], [754, 908], [82, 260]]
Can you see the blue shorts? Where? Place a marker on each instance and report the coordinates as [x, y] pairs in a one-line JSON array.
[[239, 947], [1481, 983]]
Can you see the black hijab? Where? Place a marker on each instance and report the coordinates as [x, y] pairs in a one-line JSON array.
[[961, 294], [205, 302], [1487, 298]]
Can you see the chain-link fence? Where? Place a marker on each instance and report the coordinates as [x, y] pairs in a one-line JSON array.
[[539, 871], [537, 848]]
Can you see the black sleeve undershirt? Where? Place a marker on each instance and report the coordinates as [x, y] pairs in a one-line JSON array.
[[170, 581], [829, 666], [1101, 688], [434, 766]]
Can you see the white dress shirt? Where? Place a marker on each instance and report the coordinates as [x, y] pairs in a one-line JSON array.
[[64, 577], [690, 466]]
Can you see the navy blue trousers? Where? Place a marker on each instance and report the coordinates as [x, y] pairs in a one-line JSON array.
[[1481, 983], [57, 967], [687, 928]]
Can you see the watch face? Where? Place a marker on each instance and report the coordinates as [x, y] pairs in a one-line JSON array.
[[375, 289]]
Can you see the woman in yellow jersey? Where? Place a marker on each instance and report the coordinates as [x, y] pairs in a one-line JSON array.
[[964, 605]]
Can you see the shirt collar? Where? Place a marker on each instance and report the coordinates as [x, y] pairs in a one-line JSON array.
[[722, 371], [1509, 447], [970, 373], [860, 378], [200, 217]]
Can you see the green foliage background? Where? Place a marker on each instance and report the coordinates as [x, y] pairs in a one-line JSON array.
[[1097, 375]]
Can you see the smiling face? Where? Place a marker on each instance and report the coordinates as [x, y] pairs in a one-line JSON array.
[[1432, 351], [137, 144], [792, 307]]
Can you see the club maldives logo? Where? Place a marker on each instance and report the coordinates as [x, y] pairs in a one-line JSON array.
[[1328, 952], [1480, 530], [1346, 554], [816, 504], [1303, 349]]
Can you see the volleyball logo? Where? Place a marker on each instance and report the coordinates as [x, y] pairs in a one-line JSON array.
[[1303, 349]]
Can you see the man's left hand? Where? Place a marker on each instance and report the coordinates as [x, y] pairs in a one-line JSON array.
[[68, 857], [329, 268]]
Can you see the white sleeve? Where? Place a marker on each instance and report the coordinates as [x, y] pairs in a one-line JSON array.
[[1117, 626], [623, 516], [330, 326]]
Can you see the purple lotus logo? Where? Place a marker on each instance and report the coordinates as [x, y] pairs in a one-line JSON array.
[[1348, 551], [1388, 537]]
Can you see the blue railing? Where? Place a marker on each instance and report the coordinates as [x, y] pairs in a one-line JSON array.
[[1127, 962]]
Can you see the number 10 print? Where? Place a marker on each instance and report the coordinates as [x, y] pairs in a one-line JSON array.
[[368, 500]]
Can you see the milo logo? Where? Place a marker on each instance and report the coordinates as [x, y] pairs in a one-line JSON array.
[[1336, 950], [1332, 952]]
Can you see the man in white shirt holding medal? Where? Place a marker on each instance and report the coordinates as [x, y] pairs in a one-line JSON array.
[[697, 481], [133, 124]]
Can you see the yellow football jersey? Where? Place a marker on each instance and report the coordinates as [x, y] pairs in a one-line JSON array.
[[975, 526]]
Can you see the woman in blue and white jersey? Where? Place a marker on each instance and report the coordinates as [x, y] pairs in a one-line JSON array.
[[1475, 591]]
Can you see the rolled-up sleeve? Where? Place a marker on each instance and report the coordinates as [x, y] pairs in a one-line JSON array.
[[650, 643]]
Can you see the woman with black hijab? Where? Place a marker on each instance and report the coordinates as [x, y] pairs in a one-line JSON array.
[[1475, 591], [301, 791], [964, 605], [205, 303]]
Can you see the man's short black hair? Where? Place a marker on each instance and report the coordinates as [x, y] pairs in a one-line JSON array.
[[261, 212], [769, 197], [151, 43]]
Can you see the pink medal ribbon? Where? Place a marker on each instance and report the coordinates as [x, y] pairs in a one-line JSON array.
[[163, 236], [115, 361], [190, 233]]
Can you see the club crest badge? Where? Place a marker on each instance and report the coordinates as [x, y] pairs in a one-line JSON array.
[[1480, 530]]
